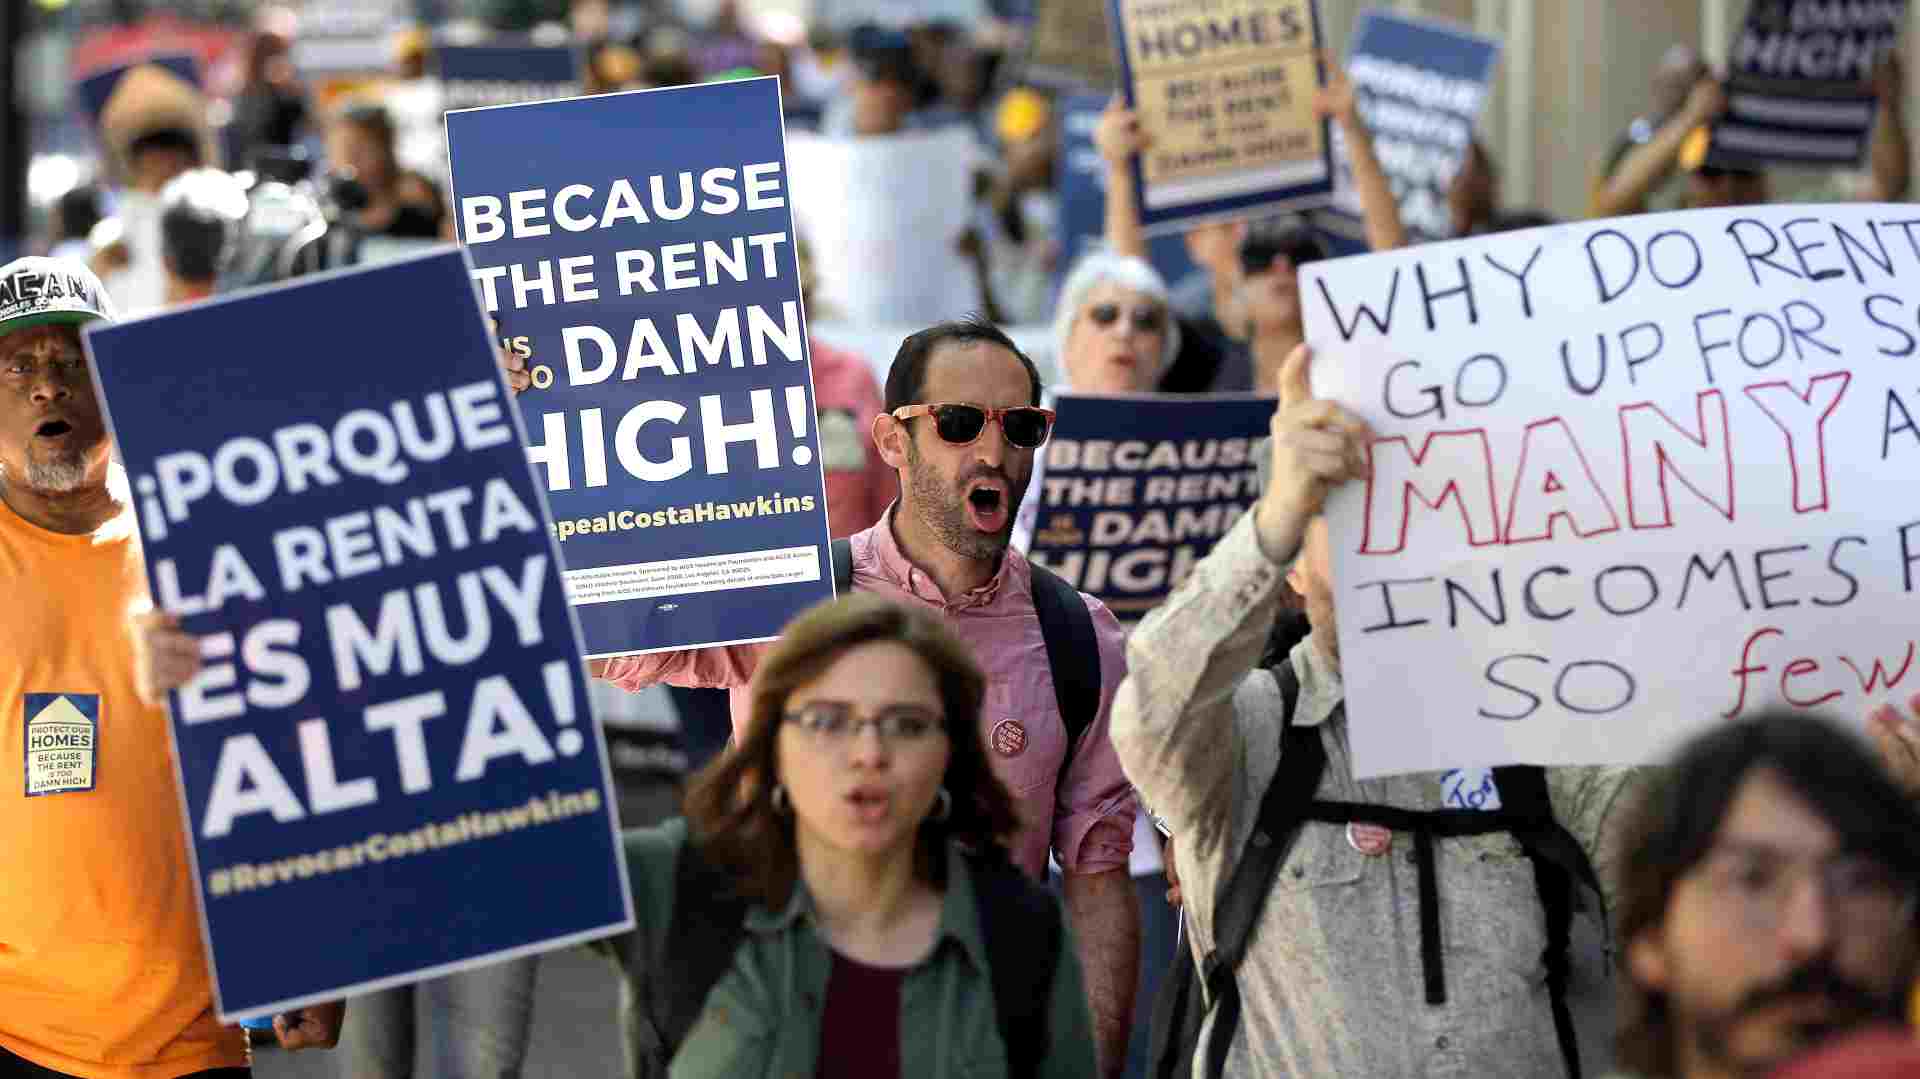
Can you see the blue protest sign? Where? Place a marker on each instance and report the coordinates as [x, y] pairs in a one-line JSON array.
[[496, 74], [1419, 86], [1136, 489], [1226, 95], [1799, 83], [638, 249], [388, 765], [1082, 191]]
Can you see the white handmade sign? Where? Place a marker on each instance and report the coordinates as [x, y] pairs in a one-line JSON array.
[[1630, 477]]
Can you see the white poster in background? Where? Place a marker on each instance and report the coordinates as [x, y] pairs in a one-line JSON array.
[[882, 216], [1630, 477]]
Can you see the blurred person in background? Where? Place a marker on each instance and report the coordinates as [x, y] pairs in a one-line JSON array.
[[1682, 144], [400, 203], [154, 127], [200, 217], [1681, 70], [885, 95], [74, 214], [1013, 244], [270, 109]]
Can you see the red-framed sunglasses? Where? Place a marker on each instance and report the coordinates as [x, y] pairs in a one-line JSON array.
[[1024, 426]]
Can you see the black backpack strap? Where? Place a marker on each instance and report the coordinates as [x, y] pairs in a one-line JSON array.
[[709, 922], [1559, 863], [842, 553], [1025, 934], [1073, 656], [1303, 760]]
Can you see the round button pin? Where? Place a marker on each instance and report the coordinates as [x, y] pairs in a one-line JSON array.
[[1369, 839]]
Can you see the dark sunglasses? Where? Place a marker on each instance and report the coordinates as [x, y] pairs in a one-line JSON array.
[[1300, 248], [1024, 426], [1145, 319]]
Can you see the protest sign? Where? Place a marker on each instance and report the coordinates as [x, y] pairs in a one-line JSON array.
[[645, 267], [882, 218], [1083, 195], [1131, 496], [1070, 48], [387, 763], [1629, 477], [846, 14], [495, 74], [1799, 82], [1419, 86], [1225, 90]]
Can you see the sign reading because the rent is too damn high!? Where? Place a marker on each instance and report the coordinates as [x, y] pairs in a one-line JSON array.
[[638, 249]]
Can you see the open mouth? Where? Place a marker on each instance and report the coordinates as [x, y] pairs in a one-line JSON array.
[[869, 804], [53, 429], [986, 507]]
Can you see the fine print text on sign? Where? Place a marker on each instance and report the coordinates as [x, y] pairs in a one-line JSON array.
[[389, 744], [1629, 477], [1225, 89], [647, 271]]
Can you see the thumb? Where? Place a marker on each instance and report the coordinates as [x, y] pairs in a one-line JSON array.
[[1295, 387]]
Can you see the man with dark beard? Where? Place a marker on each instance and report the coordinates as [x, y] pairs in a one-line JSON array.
[[102, 972], [960, 428], [1768, 900]]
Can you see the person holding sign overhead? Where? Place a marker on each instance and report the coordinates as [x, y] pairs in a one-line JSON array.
[[838, 900], [102, 971], [1392, 926], [962, 426]]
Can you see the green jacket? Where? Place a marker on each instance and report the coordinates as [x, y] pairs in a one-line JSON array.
[[763, 1017]]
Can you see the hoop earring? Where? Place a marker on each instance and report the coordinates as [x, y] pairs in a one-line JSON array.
[[779, 799], [943, 806]]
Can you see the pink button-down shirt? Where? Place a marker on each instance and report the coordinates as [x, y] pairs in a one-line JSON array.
[[1088, 823]]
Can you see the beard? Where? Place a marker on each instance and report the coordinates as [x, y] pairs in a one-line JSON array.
[[942, 509], [1853, 1006], [61, 475]]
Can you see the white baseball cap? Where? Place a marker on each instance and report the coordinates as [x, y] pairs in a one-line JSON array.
[[39, 291]]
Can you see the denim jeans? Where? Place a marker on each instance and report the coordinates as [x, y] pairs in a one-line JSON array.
[[475, 1025]]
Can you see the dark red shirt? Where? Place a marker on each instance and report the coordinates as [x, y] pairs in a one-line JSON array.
[[860, 1030]]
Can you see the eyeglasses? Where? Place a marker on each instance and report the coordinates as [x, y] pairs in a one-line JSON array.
[[1144, 319], [1758, 882], [833, 722], [1024, 426], [1300, 248]]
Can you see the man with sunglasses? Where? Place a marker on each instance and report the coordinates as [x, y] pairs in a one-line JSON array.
[[1768, 898], [961, 426]]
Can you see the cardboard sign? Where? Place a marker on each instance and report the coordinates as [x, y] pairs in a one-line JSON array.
[[1226, 92], [1136, 489], [1420, 86], [1800, 82], [646, 269], [1070, 47], [388, 766], [1630, 477]]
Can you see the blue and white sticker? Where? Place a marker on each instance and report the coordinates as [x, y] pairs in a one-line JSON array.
[[1469, 788], [63, 731]]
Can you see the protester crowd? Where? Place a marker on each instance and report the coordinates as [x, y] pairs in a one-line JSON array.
[[1159, 862]]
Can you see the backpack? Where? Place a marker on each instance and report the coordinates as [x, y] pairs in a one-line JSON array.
[[1021, 922], [1066, 627], [1559, 863]]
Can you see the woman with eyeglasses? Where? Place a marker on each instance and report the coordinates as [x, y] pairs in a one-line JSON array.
[[850, 851]]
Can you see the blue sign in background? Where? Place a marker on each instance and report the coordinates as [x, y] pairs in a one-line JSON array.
[[597, 141], [1083, 195], [508, 63], [198, 379], [1133, 573], [1431, 47], [1249, 205]]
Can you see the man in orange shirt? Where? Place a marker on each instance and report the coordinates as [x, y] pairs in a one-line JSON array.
[[102, 971]]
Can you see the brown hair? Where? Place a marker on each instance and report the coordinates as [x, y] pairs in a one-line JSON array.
[[1678, 818], [729, 804]]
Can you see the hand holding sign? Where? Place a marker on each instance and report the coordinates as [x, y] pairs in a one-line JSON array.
[[1317, 445], [1120, 137], [165, 657], [316, 1026], [1897, 737], [1336, 100]]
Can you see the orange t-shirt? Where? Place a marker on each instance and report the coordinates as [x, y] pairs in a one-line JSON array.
[[102, 973]]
